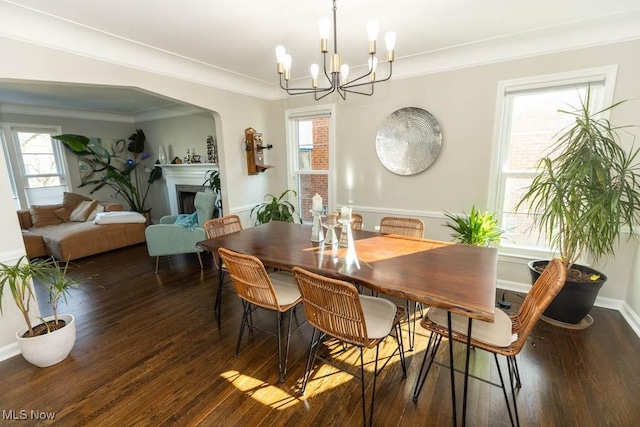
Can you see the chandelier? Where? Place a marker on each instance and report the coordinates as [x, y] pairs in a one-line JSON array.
[[335, 72]]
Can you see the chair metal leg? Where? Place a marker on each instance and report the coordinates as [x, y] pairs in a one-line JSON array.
[[313, 347], [364, 409], [401, 350], [432, 347], [513, 390], [373, 392], [218, 305], [517, 372], [504, 389], [157, 261], [246, 312], [410, 336], [200, 260]]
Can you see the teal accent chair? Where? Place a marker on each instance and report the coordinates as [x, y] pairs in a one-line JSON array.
[[168, 238]]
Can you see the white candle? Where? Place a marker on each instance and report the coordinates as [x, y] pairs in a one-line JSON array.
[[317, 203], [345, 213]]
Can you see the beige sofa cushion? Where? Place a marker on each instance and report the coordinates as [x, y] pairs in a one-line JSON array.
[[82, 212], [71, 200], [44, 215]]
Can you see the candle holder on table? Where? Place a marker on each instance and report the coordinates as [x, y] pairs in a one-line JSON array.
[[346, 235], [317, 234], [331, 238]]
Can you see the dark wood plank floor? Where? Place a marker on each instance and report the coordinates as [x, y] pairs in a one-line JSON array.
[[148, 352]]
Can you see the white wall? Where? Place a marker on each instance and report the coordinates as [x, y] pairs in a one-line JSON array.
[[177, 135]]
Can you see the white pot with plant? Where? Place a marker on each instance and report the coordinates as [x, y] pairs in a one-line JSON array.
[[49, 341]]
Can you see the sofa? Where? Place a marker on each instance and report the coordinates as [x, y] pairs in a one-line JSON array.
[[66, 231]]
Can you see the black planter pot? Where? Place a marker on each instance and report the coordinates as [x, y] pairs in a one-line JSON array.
[[575, 300]]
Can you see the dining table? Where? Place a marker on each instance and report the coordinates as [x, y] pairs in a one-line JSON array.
[[456, 277]]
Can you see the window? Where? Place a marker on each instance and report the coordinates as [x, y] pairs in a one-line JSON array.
[[528, 121], [310, 152], [37, 165]]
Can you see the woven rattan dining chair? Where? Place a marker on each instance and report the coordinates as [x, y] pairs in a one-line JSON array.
[[276, 292], [408, 227], [335, 308], [217, 227], [356, 221], [505, 336]]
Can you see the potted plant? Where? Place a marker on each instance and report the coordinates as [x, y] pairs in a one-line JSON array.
[[476, 228], [128, 182], [585, 195], [212, 183], [49, 342], [275, 209]]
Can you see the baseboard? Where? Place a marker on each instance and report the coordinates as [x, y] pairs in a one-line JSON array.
[[631, 317], [628, 314], [9, 351]]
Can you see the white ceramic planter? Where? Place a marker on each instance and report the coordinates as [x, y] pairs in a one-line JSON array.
[[48, 349]]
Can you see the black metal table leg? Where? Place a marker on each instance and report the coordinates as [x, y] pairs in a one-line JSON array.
[[466, 376], [451, 371]]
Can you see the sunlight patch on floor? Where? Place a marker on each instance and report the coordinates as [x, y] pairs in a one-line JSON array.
[[264, 393]]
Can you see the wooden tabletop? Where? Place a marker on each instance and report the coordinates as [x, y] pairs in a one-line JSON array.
[[455, 277]]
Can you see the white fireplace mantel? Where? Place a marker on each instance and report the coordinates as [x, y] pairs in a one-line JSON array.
[[184, 174]]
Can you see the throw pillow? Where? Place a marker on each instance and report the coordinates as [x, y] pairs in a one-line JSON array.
[[63, 214], [43, 215], [83, 210], [99, 208], [189, 221], [71, 200]]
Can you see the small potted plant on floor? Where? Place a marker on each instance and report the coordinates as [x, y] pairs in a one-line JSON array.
[[276, 209], [585, 196], [50, 341], [476, 228]]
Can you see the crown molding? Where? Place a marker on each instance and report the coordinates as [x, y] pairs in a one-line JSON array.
[[30, 26], [66, 113]]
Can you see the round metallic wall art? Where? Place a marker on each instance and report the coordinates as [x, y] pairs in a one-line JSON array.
[[408, 141]]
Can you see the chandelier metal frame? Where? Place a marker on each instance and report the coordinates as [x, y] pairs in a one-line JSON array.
[[335, 72]]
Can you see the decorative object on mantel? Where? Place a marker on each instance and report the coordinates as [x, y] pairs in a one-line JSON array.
[[408, 141], [336, 73], [162, 155], [128, 182], [255, 151], [212, 150]]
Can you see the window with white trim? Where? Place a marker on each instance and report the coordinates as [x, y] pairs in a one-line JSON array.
[[310, 135], [37, 164], [528, 119]]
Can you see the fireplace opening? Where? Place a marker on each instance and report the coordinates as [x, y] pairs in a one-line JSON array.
[[186, 195]]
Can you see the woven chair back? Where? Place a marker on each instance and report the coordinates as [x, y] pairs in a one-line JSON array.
[[356, 221], [217, 227], [250, 279], [410, 227], [543, 291], [332, 306]]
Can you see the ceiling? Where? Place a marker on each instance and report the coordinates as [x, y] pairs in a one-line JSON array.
[[236, 38]]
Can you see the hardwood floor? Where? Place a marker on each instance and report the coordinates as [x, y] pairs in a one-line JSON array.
[[148, 352]]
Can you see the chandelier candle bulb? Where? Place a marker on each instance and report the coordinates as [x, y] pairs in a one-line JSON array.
[[280, 53]]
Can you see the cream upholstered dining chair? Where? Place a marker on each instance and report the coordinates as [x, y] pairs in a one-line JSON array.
[[505, 336], [276, 292], [217, 227], [408, 227], [335, 308]]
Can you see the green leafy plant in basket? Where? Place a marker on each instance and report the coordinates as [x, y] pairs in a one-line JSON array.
[[476, 228], [276, 209], [127, 183]]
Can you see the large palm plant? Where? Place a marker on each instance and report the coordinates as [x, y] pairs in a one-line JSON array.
[[587, 191], [127, 183]]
